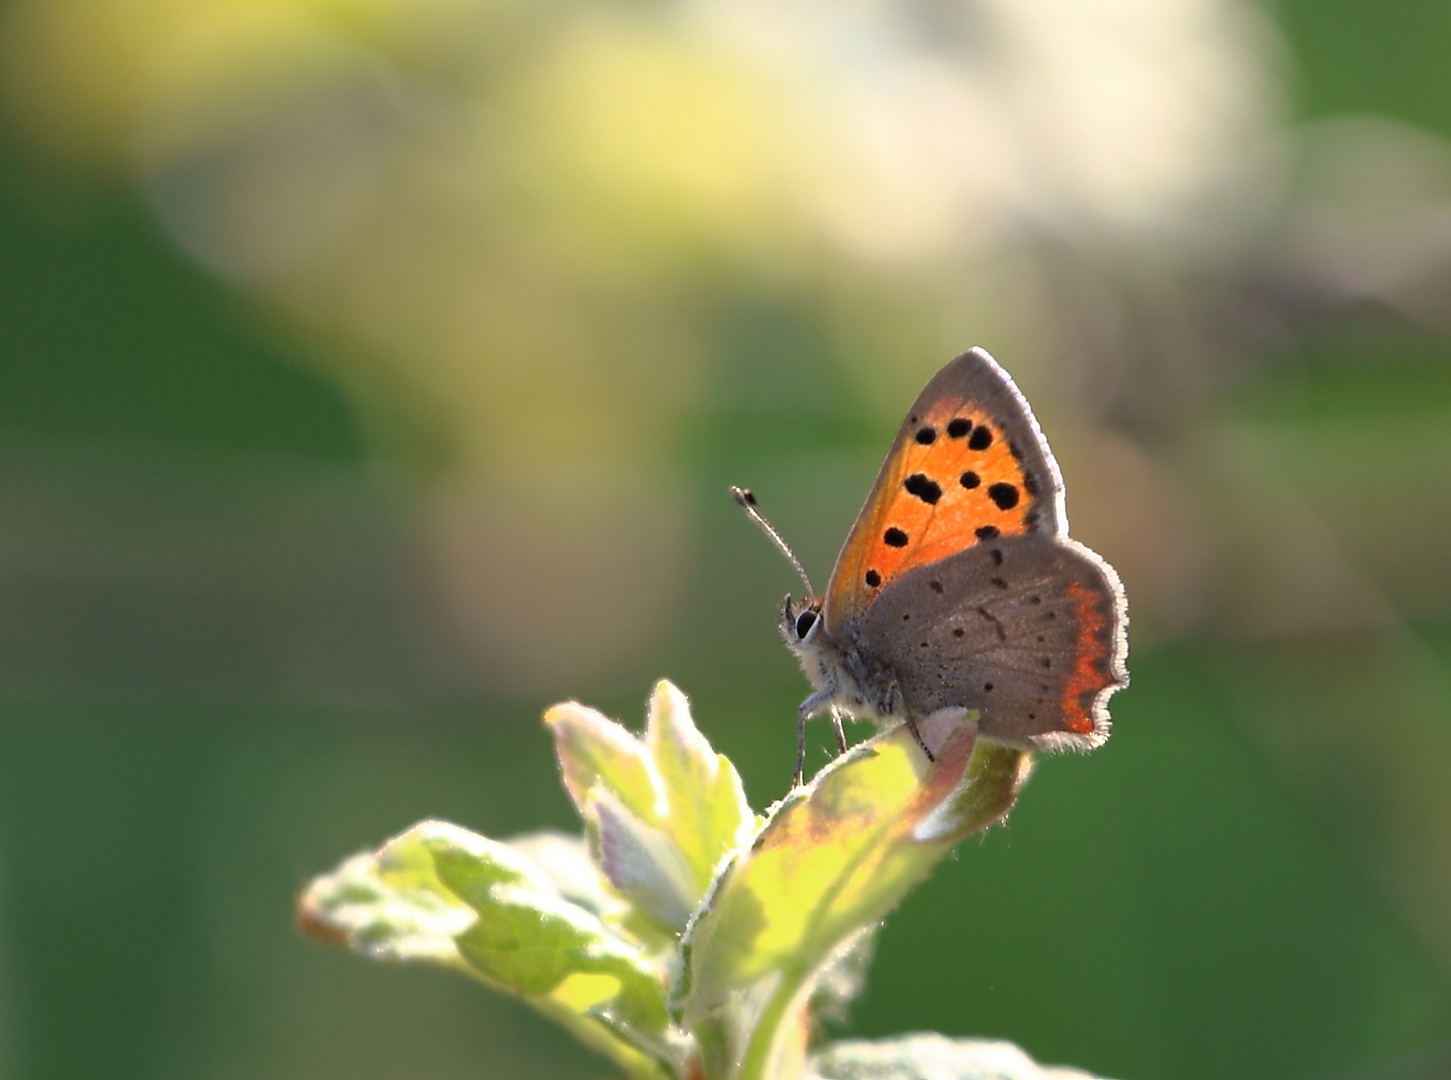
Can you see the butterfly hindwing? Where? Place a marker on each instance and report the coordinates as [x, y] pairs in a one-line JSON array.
[[1027, 629], [969, 465]]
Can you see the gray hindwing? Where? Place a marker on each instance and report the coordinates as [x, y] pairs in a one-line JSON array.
[[997, 628]]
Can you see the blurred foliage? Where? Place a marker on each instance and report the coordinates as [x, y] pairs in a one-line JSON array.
[[371, 374]]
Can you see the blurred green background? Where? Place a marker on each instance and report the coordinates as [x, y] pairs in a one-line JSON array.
[[372, 373]]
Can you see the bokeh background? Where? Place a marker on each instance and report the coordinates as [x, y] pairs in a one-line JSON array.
[[372, 373]]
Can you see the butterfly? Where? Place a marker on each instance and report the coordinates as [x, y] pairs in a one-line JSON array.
[[958, 586]]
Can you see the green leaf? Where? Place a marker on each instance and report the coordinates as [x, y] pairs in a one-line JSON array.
[[708, 813], [831, 860], [567, 863], [838, 983], [913, 1057], [643, 862], [663, 811], [388, 905], [441, 894], [778, 916], [594, 750]]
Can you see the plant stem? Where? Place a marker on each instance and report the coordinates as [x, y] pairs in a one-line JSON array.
[[713, 1037], [762, 1057]]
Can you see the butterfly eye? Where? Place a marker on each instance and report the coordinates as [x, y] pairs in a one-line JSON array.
[[804, 624]]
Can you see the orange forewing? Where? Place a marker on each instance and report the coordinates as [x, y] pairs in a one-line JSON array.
[[935, 497]]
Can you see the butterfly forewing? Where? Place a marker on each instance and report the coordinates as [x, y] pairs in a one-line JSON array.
[[968, 466]]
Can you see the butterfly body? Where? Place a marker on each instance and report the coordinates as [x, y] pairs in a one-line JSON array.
[[958, 586]]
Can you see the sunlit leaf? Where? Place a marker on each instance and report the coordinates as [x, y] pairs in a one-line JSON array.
[[593, 749], [708, 813], [388, 905], [778, 916], [441, 894], [916, 1057], [642, 862], [565, 860], [663, 810], [831, 860]]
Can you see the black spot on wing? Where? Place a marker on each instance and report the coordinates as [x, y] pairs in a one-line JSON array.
[[924, 487], [873, 579], [958, 427], [926, 435], [987, 532], [894, 537], [1004, 495], [981, 438]]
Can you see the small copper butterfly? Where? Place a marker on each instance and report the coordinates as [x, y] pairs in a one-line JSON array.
[[958, 586]]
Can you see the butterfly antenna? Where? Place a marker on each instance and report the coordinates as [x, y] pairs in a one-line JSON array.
[[747, 502]]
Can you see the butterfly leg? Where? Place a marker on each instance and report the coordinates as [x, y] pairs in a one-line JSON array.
[[912, 727], [808, 709], [892, 703], [799, 779], [840, 734]]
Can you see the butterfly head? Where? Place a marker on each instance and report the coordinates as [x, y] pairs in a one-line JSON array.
[[800, 622], [834, 671]]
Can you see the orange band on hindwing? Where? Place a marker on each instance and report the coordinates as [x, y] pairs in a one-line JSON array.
[[1090, 673]]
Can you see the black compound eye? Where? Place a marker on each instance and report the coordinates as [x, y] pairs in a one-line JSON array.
[[804, 622]]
